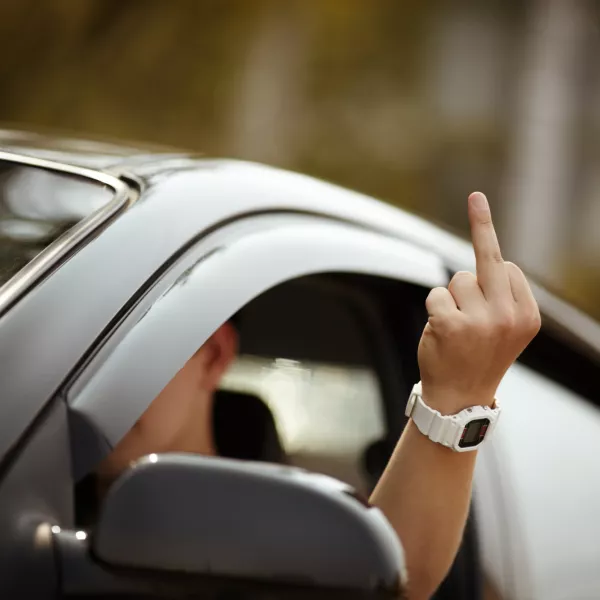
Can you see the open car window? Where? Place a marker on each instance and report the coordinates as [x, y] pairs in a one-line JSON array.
[[210, 286], [326, 415]]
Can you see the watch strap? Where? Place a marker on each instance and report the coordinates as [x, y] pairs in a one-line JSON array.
[[430, 422], [449, 430]]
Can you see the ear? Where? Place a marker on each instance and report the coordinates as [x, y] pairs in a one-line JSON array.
[[222, 348]]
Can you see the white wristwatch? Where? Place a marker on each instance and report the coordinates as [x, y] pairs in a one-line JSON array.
[[461, 432]]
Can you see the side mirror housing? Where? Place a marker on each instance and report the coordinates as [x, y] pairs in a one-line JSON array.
[[249, 524]]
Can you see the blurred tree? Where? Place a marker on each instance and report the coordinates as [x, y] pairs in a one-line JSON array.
[[413, 102]]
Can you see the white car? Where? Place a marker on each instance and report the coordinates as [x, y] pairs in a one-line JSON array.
[[117, 264]]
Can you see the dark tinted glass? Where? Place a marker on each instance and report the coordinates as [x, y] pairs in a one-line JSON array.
[[36, 207], [474, 433]]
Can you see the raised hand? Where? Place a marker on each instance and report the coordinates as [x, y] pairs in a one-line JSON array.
[[478, 326]]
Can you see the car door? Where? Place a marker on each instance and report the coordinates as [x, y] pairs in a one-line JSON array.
[[203, 288], [50, 213], [537, 484]]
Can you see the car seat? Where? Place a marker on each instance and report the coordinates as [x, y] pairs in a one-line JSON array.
[[245, 428]]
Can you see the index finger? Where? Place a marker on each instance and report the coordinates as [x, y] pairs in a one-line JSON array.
[[491, 271]]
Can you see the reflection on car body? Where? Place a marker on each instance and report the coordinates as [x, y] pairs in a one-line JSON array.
[[327, 287]]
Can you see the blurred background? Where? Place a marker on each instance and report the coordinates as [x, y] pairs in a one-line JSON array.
[[415, 102]]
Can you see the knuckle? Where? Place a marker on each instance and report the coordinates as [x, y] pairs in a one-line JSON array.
[[435, 299], [504, 322], [466, 275], [462, 281], [484, 327], [533, 323], [462, 278], [530, 320], [438, 291], [434, 294], [496, 256]]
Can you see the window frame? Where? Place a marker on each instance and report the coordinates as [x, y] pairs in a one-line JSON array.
[[51, 256]]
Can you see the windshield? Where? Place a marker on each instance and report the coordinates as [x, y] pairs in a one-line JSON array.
[[36, 207]]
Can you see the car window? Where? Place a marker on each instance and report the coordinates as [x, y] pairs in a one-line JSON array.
[[281, 312], [37, 206], [326, 415]]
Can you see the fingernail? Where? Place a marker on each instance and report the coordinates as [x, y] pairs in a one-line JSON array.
[[479, 201]]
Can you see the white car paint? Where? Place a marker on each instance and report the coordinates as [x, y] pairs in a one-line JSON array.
[[538, 492]]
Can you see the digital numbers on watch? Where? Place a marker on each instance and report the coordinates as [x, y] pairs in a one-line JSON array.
[[474, 433]]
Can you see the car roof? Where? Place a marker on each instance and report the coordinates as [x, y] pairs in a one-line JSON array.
[[145, 163], [103, 155]]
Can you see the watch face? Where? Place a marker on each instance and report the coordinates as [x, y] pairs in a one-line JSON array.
[[474, 433]]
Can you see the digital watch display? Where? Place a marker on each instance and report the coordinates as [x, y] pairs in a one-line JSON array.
[[474, 433]]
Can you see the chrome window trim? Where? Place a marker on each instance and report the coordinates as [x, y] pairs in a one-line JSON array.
[[18, 285]]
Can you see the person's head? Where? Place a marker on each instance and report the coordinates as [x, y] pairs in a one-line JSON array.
[[179, 419]]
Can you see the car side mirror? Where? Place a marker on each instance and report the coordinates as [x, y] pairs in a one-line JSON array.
[[210, 525]]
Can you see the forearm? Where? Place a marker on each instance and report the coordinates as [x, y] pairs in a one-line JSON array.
[[425, 493]]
